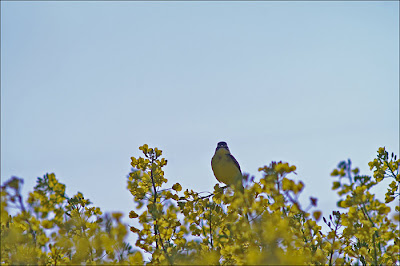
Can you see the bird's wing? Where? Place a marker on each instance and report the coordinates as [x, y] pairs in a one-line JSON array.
[[236, 162]]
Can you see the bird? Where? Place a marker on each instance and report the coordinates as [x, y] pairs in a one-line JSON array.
[[226, 168]]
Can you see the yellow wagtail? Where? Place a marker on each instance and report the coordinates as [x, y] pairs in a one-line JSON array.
[[225, 167]]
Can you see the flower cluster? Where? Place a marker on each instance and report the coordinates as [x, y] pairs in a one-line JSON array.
[[368, 234], [264, 224], [53, 229]]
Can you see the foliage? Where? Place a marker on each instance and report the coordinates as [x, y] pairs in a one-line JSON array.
[[54, 229], [265, 224]]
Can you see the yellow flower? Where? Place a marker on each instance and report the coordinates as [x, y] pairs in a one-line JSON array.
[[177, 187], [317, 215], [133, 214]]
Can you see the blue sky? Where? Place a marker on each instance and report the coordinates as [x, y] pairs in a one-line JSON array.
[[84, 84]]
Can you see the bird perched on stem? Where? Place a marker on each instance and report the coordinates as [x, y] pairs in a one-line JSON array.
[[225, 167]]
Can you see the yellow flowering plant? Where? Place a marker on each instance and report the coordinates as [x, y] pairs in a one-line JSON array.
[[369, 235], [265, 224], [53, 229]]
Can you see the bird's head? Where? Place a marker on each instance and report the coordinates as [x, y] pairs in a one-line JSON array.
[[222, 145]]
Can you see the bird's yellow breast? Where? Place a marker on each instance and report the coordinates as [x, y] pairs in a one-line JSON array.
[[224, 168]]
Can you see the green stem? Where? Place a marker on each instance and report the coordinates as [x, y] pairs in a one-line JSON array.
[[156, 231], [375, 233], [333, 242], [375, 255]]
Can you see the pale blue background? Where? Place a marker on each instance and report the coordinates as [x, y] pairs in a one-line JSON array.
[[84, 84]]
